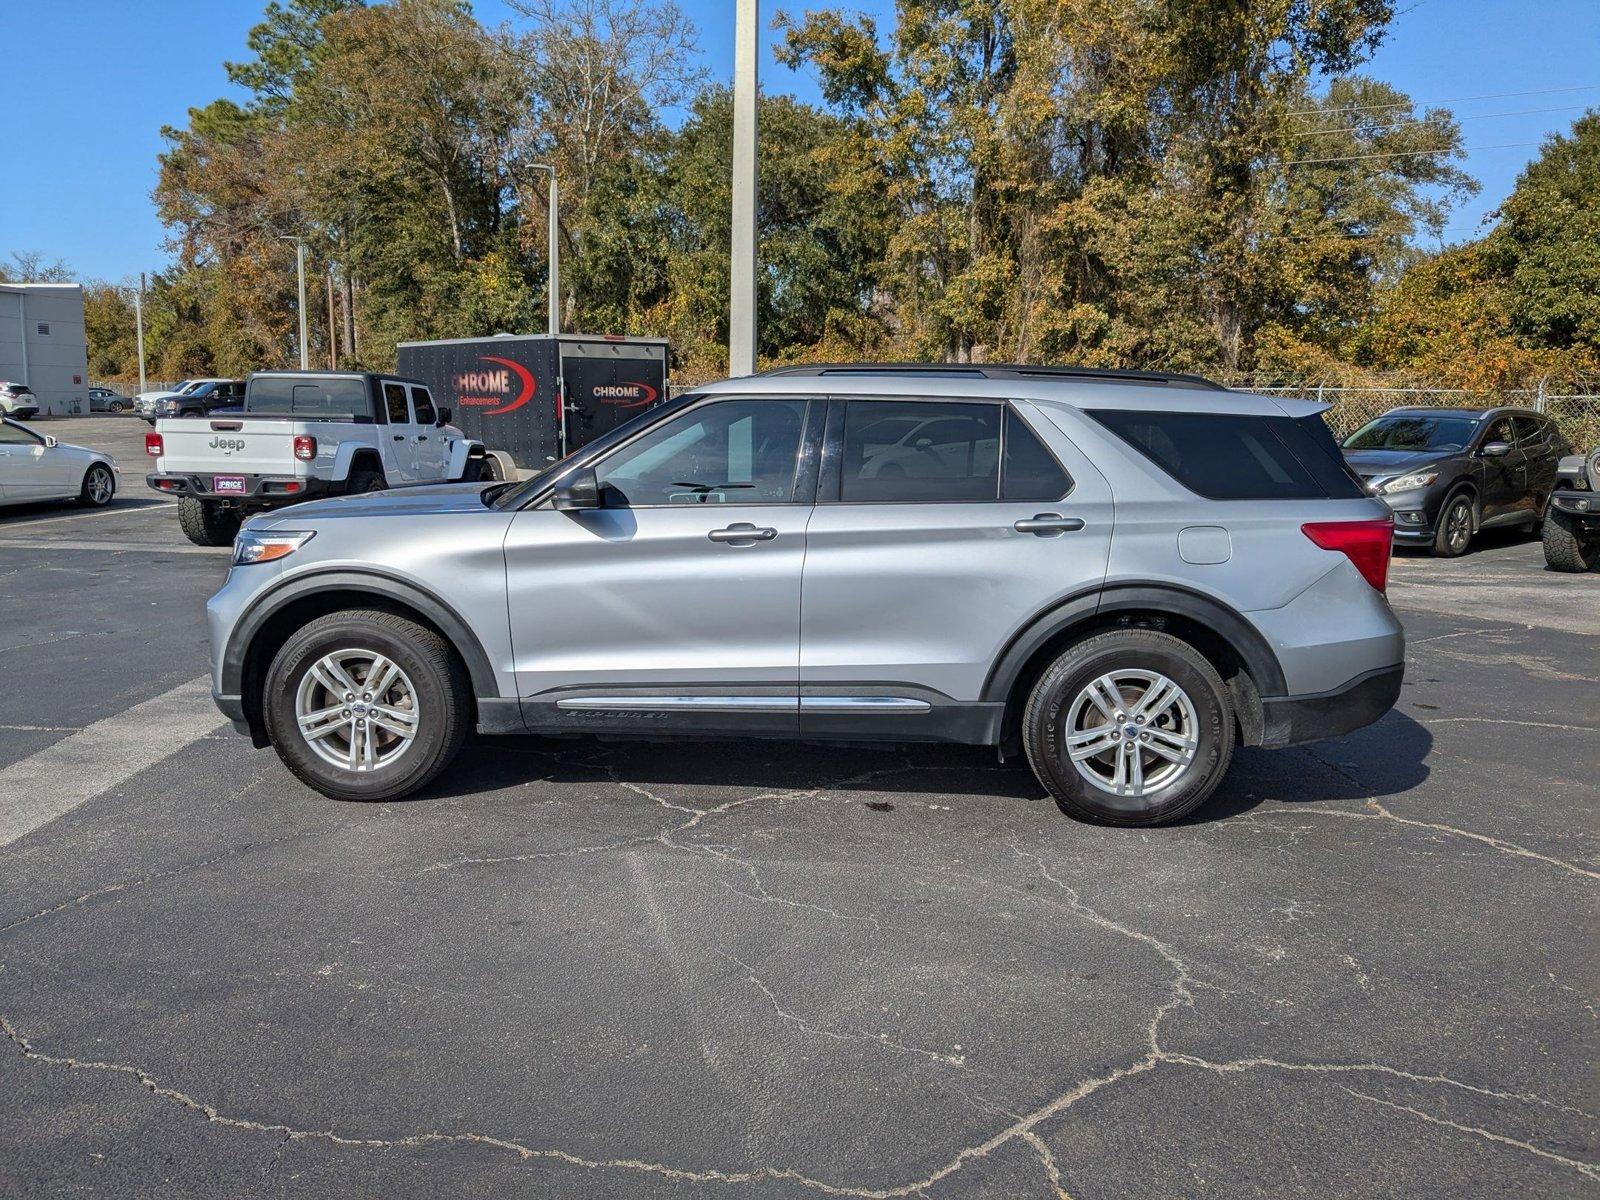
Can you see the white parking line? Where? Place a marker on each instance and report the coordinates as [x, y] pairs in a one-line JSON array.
[[56, 780]]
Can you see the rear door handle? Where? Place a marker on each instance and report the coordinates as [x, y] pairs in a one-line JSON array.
[[743, 531], [1048, 524], [422, 437], [399, 437]]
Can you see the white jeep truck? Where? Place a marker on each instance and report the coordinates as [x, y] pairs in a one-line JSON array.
[[304, 434]]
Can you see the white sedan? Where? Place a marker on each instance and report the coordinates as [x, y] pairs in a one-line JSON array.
[[35, 467]]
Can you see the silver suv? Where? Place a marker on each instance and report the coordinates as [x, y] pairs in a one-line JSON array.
[[1121, 575]]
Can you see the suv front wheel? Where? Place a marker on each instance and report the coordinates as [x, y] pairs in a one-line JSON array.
[[1130, 727], [366, 705]]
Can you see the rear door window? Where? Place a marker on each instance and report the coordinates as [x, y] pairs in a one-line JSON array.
[[423, 403], [1228, 456], [909, 451]]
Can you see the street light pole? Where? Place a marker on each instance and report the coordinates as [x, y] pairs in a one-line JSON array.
[[553, 250], [300, 276], [742, 252]]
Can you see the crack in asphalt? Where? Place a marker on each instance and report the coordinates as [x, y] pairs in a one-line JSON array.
[[1377, 812], [876, 1039], [1587, 1169]]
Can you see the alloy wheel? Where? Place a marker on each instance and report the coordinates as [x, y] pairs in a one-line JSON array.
[[1131, 732], [357, 710], [100, 485], [1458, 525]]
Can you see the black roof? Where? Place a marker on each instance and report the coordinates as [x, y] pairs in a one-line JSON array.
[[1002, 371], [366, 377]]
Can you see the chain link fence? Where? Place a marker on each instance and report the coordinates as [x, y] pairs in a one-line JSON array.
[[1576, 414]]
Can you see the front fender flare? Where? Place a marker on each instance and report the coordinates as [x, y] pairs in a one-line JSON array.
[[374, 583]]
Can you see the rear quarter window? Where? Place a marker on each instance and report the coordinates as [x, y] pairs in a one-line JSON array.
[[1233, 456]]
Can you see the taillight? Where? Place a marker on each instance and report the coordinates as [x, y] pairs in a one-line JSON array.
[[152, 445], [1365, 543], [305, 447]]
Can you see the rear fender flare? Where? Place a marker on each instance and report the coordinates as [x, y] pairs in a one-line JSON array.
[[1252, 649]]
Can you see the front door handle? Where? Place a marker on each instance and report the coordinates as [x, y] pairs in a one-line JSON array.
[[742, 533], [399, 437], [1048, 524], [422, 437]]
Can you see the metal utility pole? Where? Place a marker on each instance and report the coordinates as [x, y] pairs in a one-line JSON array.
[[300, 274], [742, 253], [138, 325], [553, 250], [333, 333]]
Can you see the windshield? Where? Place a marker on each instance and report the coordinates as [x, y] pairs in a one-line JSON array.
[[1416, 432]]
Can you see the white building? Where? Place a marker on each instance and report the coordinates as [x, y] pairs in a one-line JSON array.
[[42, 343]]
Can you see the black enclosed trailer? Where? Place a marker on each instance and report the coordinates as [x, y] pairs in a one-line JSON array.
[[531, 399]]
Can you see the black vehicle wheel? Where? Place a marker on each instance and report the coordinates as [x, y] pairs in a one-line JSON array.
[[1568, 544], [116, 406], [1131, 727], [99, 486], [365, 479], [1453, 533], [366, 705], [207, 523]]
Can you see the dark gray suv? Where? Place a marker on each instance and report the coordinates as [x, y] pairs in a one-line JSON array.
[[1121, 576], [1449, 472]]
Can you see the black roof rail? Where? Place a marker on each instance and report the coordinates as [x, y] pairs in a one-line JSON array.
[[1000, 371]]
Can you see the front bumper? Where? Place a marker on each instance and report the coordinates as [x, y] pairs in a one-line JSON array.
[[1583, 505], [1414, 513], [1290, 720], [260, 491]]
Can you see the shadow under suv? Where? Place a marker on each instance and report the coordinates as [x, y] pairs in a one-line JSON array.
[[1122, 576]]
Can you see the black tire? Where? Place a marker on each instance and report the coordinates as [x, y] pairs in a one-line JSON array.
[[116, 406], [443, 702], [99, 486], [365, 479], [477, 470], [1058, 691], [207, 523], [1568, 546], [1450, 537]]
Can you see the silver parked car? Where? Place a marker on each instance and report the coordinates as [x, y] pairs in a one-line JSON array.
[[1122, 576]]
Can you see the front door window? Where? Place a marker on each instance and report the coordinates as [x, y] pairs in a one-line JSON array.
[[730, 452]]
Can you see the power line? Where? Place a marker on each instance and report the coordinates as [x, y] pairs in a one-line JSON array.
[[1308, 162], [1303, 112], [1401, 124]]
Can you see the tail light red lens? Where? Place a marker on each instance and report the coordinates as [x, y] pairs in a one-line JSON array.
[[305, 447], [1365, 543], [152, 445]]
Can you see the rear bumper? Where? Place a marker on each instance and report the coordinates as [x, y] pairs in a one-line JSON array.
[[1290, 720], [260, 491]]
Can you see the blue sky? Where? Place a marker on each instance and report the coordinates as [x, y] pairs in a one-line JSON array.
[[90, 83]]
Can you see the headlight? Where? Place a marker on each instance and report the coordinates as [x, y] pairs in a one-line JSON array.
[[251, 547], [1407, 483]]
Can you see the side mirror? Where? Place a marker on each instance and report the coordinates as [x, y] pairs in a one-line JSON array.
[[577, 489], [1495, 449], [444, 415], [50, 441]]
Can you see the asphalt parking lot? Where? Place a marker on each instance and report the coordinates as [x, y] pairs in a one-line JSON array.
[[1367, 967]]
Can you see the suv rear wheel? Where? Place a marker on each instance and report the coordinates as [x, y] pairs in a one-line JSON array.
[[1131, 727], [366, 705]]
